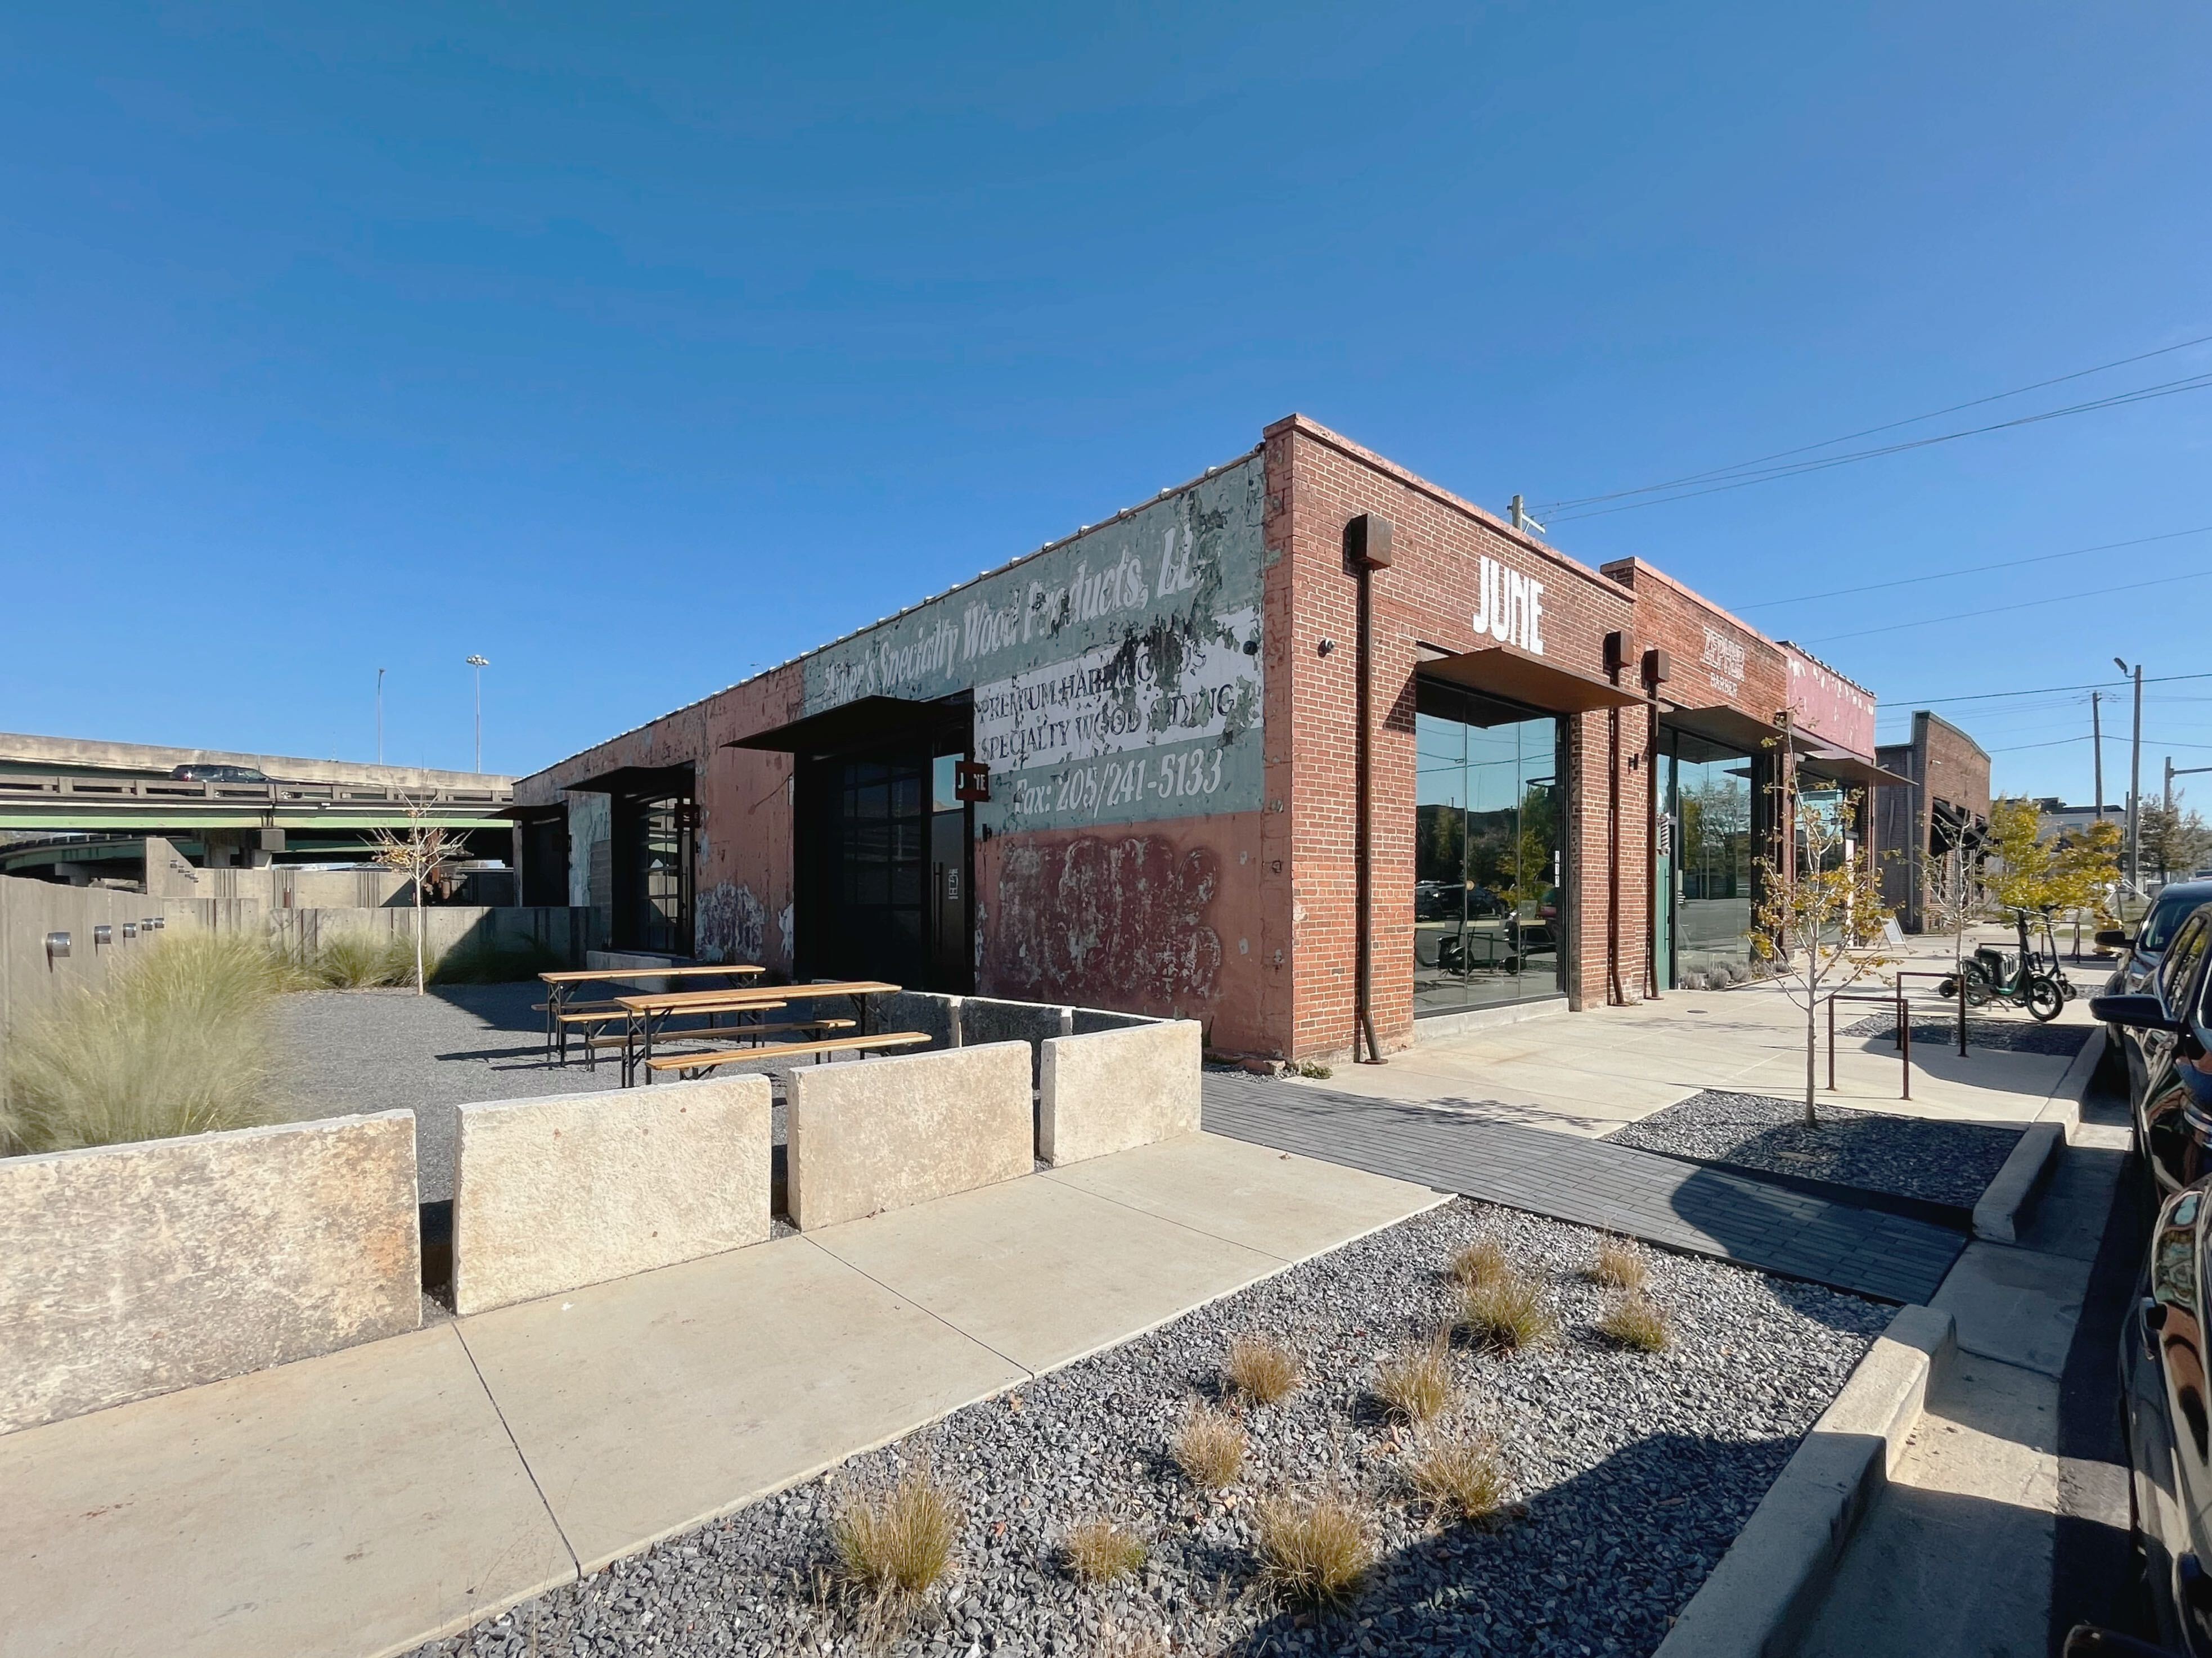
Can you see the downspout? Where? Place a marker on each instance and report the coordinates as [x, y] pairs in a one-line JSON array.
[[1657, 666], [1616, 652], [1367, 545]]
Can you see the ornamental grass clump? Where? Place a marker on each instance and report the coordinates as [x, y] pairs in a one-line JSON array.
[[1478, 1263], [1210, 1448], [1099, 1551], [1458, 1475], [898, 1539], [177, 1042], [1618, 1265], [1313, 1552], [1507, 1314], [1415, 1385], [1262, 1371], [364, 960], [1636, 1324]]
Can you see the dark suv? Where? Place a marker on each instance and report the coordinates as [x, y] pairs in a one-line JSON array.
[[218, 774], [2169, 1026], [2141, 959], [2163, 1407]]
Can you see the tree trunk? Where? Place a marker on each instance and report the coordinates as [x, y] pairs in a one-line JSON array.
[[1812, 1051], [419, 976]]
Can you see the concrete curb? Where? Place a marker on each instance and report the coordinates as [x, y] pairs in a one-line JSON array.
[[1997, 1211], [1769, 1583], [2064, 1107]]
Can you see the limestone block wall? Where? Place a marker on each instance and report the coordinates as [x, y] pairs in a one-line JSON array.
[[886, 1133], [1113, 1089], [138, 1269], [553, 1193]]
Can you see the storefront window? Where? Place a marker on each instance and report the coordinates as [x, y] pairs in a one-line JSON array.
[[1708, 794], [1487, 914]]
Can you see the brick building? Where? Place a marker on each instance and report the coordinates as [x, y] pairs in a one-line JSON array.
[[1941, 806], [1127, 771]]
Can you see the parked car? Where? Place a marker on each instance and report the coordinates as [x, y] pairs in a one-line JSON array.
[[2164, 1411], [2139, 958], [2169, 1026], [219, 774]]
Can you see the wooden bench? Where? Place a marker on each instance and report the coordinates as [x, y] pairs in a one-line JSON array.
[[591, 1019], [693, 1065]]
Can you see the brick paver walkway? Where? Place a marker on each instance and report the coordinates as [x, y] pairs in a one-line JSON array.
[[1656, 1198]]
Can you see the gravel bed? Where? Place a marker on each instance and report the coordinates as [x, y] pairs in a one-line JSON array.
[[1632, 1475], [1945, 1162], [2022, 1037], [343, 1051]]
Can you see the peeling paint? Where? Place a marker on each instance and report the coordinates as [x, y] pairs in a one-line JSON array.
[[1122, 921], [729, 924]]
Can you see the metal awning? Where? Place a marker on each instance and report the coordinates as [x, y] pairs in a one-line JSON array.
[[864, 719], [1509, 672], [1730, 727], [1848, 768], [643, 781]]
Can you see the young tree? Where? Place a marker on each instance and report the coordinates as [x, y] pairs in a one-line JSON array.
[[421, 853], [2174, 839], [1953, 898], [1817, 923], [2021, 862], [2086, 871]]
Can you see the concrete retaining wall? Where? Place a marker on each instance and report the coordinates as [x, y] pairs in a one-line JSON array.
[[557, 932], [133, 1270], [875, 1134], [551, 1194], [1112, 1089], [30, 910]]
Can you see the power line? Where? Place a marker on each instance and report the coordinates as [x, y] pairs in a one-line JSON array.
[[1977, 570], [1867, 432], [2141, 394], [1999, 610], [2049, 690]]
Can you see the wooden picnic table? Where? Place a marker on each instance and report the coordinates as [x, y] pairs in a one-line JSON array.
[[647, 1013], [561, 982]]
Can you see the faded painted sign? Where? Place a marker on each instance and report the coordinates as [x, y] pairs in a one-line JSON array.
[[1824, 703], [1116, 677]]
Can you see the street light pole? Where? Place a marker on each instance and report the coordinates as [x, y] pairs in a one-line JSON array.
[[2135, 782], [380, 716], [479, 664]]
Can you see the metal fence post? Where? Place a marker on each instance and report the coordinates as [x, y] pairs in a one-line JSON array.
[[1904, 1052], [1832, 1042], [1962, 1010]]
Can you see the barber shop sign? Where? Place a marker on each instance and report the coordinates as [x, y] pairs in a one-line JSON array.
[[1511, 607]]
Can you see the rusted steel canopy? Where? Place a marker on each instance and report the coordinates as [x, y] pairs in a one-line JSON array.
[[1848, 768], [1730, 727], [1509, 672], [865, 718]]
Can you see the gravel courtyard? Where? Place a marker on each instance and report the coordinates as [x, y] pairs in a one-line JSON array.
[[343, 1051], [1633, 1473]]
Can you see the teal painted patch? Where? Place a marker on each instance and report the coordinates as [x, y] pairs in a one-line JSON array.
[[1116, 678]]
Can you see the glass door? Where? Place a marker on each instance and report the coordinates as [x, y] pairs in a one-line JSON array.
[[1487, 911]]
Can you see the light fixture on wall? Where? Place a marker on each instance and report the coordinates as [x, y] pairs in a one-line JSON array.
[[130, 930], [102, 934], [58, 949]]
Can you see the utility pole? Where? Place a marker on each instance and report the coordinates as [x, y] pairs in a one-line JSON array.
[[380, 716], [479, 664], [2097, 748], [2135, 782]]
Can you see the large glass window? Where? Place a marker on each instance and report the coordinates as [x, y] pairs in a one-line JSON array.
[[1487, 913], [1707, 791]]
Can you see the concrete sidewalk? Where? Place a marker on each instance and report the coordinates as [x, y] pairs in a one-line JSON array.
[[1959, 1555], [362, 1504], [1590, 1072]]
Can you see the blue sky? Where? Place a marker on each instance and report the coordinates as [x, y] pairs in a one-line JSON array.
[[633, 352]]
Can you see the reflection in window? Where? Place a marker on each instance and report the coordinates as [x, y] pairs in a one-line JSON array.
[[1707, 865], [1487, 908]]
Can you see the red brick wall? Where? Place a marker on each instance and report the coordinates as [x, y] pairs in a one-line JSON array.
[[1318, 482]]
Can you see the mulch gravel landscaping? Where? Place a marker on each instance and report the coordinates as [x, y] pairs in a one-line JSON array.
[[2022, 1036], [1944, 1162], [1633, 1473]]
